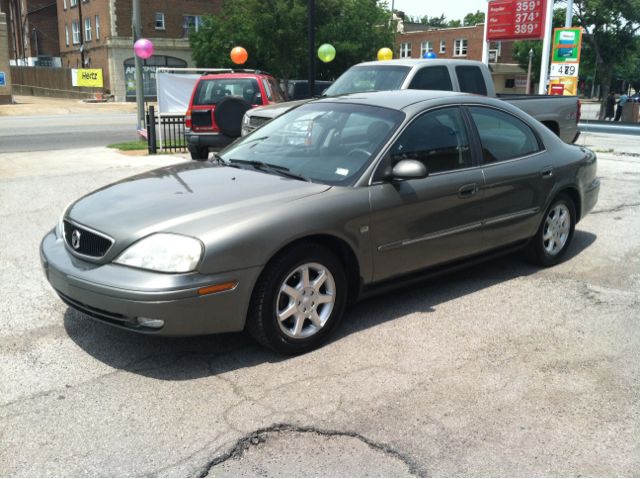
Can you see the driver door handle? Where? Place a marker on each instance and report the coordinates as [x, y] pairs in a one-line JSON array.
[[547, 172], [467, 191]]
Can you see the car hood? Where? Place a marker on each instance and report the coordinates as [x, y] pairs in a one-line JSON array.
[[187, 198], [273, 111]]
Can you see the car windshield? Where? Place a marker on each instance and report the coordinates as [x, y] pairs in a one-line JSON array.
[[210, 92], [369, 77], [329, 143]]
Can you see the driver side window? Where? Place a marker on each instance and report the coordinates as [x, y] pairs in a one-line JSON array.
[[438, 139]]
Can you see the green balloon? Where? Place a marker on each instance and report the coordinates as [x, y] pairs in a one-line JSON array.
[[326, 53]]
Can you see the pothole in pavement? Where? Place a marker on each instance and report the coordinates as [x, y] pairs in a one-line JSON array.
[[309, 453]]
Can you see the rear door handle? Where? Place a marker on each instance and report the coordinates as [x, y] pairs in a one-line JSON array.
[[547, 172], [467, 191]]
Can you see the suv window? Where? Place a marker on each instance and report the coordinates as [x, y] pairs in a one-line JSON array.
[[432, 78], [267, 89], [276, 91], [210, 92], [438, 139], [471, 80], [503, 136]]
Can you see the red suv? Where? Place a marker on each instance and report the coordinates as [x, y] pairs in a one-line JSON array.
[[218, 103]]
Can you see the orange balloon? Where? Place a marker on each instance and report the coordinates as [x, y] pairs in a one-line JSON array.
[[239, 55]]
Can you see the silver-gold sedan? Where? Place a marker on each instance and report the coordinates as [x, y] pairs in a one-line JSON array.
[[332, 202]]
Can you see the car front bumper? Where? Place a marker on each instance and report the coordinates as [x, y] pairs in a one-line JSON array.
[[173, 298]]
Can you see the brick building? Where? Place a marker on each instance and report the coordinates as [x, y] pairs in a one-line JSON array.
[[5, 69], [33, 32], [103, 28], [463, 43]]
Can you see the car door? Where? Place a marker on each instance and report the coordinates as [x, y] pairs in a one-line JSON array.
[[420, 223], [519, 176]]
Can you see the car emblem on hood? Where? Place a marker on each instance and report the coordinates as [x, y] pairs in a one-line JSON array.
[[75, 239]]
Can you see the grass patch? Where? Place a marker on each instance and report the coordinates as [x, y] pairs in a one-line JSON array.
[[142, 145], [610, 150]]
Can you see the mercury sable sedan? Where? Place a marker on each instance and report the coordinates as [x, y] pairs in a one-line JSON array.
[[334, 201]]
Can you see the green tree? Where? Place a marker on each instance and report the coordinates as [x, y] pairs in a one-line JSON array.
[[472, 19], [454, 23], [274, 33]]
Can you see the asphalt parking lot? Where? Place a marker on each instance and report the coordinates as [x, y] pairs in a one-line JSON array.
[[503, 369]]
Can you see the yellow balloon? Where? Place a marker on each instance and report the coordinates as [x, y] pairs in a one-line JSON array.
[[385, 54]]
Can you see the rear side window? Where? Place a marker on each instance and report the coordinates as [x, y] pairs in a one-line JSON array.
[[267, 89], [471, 80], [275, 89], [432, 78], [210, 92], [503, 136]]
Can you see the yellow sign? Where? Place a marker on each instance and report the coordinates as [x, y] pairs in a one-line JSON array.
[[563, 86], [90, 78]]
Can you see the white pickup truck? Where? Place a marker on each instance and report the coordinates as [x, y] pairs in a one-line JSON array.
[[559, 113]]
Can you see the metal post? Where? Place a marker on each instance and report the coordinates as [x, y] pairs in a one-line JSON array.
[[529, 73], [593, 83], [546, 46], [137, 34], [151, 131], [391, 19], [485, 43], [569, 18], [312, 47]]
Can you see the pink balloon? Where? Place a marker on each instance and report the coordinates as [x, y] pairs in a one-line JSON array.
[[143, 48]]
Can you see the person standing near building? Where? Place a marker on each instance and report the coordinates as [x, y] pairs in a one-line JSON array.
[[622, 101], [611, 103]]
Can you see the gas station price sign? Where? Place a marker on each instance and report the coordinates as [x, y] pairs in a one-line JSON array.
[[516, 20]]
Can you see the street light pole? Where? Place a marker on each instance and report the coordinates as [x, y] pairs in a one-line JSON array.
[[137, 35], [569, 17], [529, 72], [312, 46]]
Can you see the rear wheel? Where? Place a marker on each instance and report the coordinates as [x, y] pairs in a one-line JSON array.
[[554, 236], [199, 153], [298, 299]]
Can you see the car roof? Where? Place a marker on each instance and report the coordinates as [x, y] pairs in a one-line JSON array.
[[412, 62], [393, 99], [213, 76]]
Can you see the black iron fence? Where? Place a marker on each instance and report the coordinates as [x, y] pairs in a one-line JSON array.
[[168, 129]]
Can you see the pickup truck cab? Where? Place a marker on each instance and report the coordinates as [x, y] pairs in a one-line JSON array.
[[218, 103], [560, 114]]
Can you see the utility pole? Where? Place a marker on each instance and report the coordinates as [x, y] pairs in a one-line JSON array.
[[137, 35], [546, 47], [391, 19], [81, 30], [529, 73], [312, 46], [569, 18]]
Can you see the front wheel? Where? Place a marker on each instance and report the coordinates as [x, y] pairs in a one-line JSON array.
[[554, 236], [298, 299]]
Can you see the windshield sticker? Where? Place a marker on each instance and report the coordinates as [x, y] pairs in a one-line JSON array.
[[342, 171]]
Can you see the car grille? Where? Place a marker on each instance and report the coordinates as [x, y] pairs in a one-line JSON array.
[[89, 244], [258, 121]]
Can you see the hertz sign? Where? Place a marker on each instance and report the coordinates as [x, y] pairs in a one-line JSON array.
[[91, 78], [516, 20]]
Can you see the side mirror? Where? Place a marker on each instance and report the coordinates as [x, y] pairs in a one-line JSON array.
[[409, 170]]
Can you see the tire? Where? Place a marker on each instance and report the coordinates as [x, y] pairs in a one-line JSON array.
[[228, 114], [283, 315], [552, 240], [199, 154]]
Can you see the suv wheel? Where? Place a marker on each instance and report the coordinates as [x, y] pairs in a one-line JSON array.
[[199, 153]]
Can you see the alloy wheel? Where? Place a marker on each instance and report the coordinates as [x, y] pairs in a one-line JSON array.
[[556, 229]]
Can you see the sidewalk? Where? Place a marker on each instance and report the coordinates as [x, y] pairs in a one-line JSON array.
[[37, 105], [23, 164]]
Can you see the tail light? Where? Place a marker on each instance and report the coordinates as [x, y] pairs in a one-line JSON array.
[[579, 112], [187, 119]]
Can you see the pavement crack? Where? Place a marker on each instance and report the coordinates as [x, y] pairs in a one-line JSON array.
[[261, 435]]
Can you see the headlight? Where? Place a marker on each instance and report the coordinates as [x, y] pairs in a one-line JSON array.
[[164, 252], [245, 120]]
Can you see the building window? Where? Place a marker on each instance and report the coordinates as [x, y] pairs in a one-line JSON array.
[[75, 27], [498, 46], [510, 83], [405, 50], [188, 22], [77, 63], [64, 5], [159, 21], [87, 29], [66, 33], [460, 48], [73, 3], [97, 28], [443, 44], [426, 47]]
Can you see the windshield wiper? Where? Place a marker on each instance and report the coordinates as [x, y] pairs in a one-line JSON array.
[[282, 170]]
